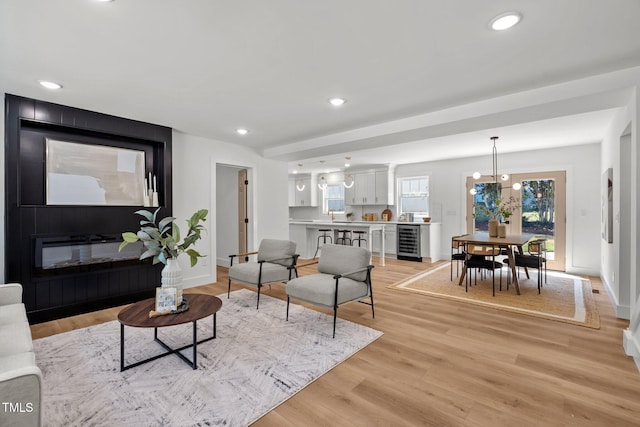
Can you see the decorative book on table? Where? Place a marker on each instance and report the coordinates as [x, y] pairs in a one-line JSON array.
[[166, 299]]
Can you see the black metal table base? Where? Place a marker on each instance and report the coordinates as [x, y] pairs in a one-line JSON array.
[[193, 363]]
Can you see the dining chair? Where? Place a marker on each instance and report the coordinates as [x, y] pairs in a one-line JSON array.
[[483, 258], [535, 257], [458, 254]]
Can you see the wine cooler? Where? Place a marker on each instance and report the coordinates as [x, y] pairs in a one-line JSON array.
[[408, 240]]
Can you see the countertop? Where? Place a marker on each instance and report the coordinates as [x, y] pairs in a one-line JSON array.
[[329, 222]]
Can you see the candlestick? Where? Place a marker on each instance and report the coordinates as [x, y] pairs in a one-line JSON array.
[[155, 190]]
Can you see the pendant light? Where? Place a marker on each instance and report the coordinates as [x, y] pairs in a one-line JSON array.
[[503, 177]]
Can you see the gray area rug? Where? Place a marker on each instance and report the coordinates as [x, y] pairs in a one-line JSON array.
[[257, 361]]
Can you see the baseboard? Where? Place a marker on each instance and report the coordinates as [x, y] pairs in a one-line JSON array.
[[622, 311], [631, 346]]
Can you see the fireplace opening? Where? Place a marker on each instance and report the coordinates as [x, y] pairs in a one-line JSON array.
[[56, 252]]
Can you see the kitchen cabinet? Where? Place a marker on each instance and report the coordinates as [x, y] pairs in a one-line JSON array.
[[389, 240], [382, 195], [430, 241], [369, 188], [301, 198], [365, 185]]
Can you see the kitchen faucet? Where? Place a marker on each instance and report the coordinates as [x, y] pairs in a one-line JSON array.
[[332, 216]]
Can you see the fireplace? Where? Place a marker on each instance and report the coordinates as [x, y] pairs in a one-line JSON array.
[[59, 252]]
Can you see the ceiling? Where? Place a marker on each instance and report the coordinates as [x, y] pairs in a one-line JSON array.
[[207, 68]]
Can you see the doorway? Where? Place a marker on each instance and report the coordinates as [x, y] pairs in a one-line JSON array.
[[234, 211], [626, 291], [538, 207]]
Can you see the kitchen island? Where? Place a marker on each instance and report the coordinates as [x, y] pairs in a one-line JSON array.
[[305, 234], [381, 236]]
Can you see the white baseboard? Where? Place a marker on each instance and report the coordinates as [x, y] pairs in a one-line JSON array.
[[631, 346], [622, 311]]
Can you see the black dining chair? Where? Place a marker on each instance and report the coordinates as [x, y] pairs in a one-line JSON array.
[[483, 258], [458, 254], [535, 257]]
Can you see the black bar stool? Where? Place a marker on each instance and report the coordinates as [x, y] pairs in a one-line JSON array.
[[343, 236], [359, 237], [324, 236]]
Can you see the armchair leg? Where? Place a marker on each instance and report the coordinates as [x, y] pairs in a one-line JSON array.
[[229, 289], [335, 314], [287, 308], [258, 304], [373, 314]]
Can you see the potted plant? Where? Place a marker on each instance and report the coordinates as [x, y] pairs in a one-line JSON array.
[[161, 240]]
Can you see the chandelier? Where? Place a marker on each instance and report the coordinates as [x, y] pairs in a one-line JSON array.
[[494, 175]]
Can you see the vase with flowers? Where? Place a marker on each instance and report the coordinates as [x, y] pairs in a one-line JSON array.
[[161, 240], [501, 210]]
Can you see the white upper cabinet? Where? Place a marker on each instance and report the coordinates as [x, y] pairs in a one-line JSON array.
[[301, 193], [369, 188]]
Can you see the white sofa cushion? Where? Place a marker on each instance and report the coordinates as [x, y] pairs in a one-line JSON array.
[[16, 361], [12, 313], [19, 335]]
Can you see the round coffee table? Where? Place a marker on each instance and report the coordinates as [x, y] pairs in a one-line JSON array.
[[137, 315]]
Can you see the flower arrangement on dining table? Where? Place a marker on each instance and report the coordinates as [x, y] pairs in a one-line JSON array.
[[502, 209]]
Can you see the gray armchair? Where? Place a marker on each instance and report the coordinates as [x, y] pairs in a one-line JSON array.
[[276, 263], [344, 275]]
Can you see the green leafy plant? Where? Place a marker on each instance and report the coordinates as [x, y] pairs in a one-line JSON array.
[[162, 238], [502, 208]]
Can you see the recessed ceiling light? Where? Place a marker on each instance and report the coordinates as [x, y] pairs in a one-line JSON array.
[[336, 102], [242, 131], [50, 85], [505, 21]]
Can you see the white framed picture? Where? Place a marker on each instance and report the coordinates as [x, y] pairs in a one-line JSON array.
[[166, 299]]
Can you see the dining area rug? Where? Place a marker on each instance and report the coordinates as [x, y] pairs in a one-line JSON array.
[[257, 361], [564, 298]]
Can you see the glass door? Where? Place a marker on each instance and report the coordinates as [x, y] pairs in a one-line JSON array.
[[537, 207], [543, 212]]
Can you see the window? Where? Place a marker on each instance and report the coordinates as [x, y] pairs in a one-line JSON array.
[[413, 195], [333, 198]]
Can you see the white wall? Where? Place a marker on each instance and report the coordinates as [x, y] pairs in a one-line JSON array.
[[195, 161]]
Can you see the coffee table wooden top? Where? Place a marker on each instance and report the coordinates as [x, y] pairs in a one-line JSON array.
[[200, 306]]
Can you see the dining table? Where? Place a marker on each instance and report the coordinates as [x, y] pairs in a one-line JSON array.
[[508, 243]]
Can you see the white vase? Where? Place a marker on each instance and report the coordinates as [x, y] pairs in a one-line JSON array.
[[172, 277]]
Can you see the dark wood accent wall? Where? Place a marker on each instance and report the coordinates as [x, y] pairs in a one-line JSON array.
[[51, 294]]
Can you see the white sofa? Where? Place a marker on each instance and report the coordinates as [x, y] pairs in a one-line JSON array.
[[20, 378]]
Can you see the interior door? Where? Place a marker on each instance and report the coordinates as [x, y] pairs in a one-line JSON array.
[[539, 208], [243, 218]]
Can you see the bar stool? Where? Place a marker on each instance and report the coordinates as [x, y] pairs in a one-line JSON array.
[[324, 236], [358, 238], [343, 236]]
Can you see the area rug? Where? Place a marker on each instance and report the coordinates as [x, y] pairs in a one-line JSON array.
[[257, 361], [565, 297]]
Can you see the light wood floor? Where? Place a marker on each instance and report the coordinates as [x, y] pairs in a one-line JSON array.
[[443, 363]]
